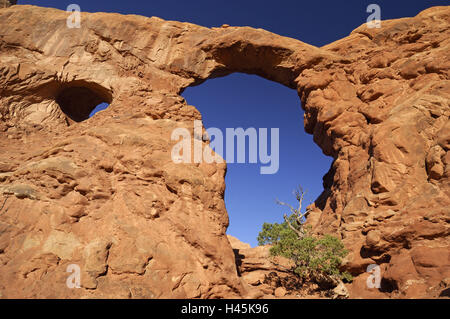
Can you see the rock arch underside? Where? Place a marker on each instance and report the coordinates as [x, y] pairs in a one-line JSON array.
[[103, 193]]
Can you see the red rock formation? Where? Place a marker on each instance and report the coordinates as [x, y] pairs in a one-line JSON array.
[[103, 193]]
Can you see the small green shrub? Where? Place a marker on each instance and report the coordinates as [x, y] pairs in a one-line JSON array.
[[314, 257]]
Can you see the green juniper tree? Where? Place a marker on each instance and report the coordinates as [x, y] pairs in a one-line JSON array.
[[315, 258]]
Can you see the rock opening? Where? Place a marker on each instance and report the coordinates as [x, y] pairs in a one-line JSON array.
[[80, 102], [253, 102]]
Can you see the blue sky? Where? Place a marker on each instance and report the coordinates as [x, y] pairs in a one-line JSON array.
[[241, 100]]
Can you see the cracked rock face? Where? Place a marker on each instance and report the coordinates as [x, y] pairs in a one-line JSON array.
[[104, 194]]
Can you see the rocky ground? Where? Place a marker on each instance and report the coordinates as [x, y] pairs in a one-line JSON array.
[[273, 278]]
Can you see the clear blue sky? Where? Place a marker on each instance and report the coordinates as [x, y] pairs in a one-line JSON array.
[[240, 100]]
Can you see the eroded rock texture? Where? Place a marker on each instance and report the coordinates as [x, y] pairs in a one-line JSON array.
[[103, 193]]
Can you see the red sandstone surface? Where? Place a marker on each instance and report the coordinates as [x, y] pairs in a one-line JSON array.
[[104, 194]]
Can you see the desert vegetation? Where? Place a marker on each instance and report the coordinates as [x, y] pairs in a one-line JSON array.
[[316, 258]]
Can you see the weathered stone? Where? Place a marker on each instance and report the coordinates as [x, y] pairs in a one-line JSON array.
[[280, 292], [377, 101], [61, 244], [237, 244], [340, 292], [373, 238]]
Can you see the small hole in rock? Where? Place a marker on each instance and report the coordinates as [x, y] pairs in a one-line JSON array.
[[388, 285], [81, 100]]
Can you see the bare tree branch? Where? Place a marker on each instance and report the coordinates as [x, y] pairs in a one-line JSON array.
[[299, 195], [299, 216], [298, 232], [288, 205]]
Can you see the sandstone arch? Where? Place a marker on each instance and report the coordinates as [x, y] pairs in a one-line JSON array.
[[377, 101]]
